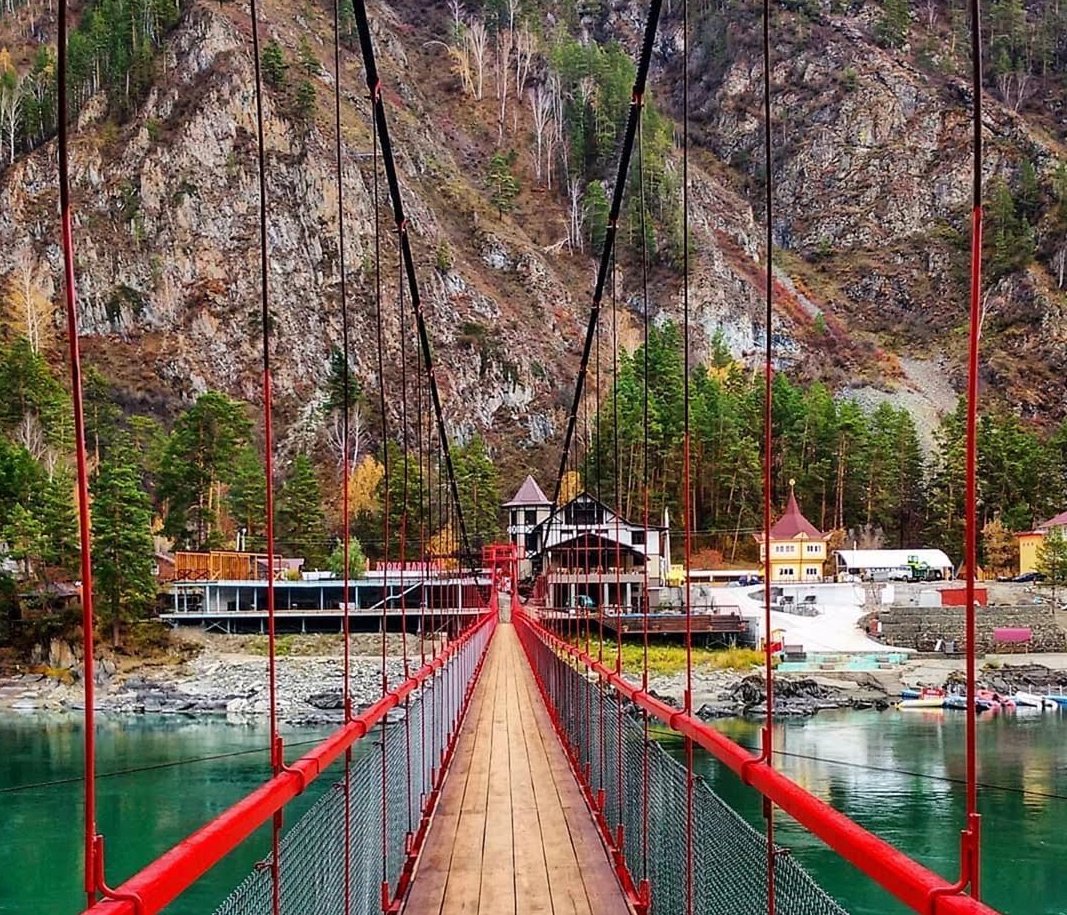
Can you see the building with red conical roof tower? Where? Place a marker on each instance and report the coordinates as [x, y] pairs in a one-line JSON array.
[[798, 547]]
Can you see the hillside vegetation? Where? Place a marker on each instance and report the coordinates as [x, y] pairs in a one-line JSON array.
[[507, 118]]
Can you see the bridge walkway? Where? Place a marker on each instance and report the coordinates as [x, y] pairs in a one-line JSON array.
[[512, 833]]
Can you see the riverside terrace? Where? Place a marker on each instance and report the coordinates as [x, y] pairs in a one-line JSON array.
[[317, 605]]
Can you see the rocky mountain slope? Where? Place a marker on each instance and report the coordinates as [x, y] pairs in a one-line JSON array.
[[871, 183]]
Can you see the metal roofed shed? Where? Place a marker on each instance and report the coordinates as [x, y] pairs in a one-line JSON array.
[[887, 565]]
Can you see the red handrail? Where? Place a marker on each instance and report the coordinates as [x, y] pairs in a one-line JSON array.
[[916, 886], [166, 878]]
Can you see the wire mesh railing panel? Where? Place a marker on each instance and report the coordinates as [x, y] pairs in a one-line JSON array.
[[406, 751], [649, 790]]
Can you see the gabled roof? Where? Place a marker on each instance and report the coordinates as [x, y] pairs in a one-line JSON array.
[[1059, 521], [529, 494], [605, 542], [793, 523]]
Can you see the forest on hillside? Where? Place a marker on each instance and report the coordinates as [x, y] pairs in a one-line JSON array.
[[859, 474], [200, 484]]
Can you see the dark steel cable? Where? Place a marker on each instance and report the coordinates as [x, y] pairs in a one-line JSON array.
[[382, 127], [636, 103]]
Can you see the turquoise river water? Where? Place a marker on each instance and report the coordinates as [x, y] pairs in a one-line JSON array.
[[892, 772]]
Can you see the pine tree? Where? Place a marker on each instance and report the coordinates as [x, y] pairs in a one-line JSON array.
[[479, 490], [102, 415], [246, 499], [597, 210], [892, 29], [27, 541], [122, 544], [199, 458], [999, 548], [19, 478], [357, 562], [405, 512], [305, 54], [1052, 558], [304, 105], [336, 384], [301, 522], [58, 515], [503, 185], [274, 63]]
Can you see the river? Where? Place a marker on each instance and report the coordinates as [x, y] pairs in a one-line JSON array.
[[888, 771]]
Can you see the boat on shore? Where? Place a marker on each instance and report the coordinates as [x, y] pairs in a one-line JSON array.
[[960, 703], [927, 697], [1033, 700]]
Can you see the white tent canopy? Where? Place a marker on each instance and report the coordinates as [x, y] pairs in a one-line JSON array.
[[884, 560]]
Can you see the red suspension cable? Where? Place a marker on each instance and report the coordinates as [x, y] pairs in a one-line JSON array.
[[645, 483], [970, 838], [404, 519], [687, 505], [277, 751], [346, 522], [386, 506], [84, 526]]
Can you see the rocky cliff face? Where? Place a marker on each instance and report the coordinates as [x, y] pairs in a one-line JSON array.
[[872, 177]]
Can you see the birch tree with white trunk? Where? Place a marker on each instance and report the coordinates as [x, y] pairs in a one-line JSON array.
[[541, 107], [478, 40]]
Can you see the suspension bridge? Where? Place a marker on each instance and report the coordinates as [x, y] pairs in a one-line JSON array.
[[510, 768]]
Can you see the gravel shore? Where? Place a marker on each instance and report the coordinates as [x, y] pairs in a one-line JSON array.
[[226, 676]]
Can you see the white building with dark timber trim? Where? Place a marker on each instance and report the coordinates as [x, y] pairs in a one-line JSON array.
[[585, 550]]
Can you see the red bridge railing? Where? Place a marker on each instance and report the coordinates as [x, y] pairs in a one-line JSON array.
[[564, 671], [448, 678]]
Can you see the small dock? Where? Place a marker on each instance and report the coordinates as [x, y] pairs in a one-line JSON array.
[[512, 834], [701, 624]]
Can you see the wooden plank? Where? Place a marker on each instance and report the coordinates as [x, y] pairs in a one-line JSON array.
[[603, 894], [464, 878], [428, 890], [497, 885], [532, 890], [512, 835], [565, 879]]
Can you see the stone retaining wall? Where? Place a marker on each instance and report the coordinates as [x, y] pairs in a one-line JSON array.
[[920, 627]]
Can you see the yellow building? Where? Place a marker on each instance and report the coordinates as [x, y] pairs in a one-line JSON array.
[[798, 548], [1029, 541]]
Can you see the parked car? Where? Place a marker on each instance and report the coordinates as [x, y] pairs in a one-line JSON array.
[[899, 575], [1029, 577]]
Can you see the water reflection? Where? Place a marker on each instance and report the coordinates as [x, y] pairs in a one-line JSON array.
[[900, 774], [142, 814]]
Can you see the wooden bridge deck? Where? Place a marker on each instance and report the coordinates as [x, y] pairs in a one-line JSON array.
[[512, 833]]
